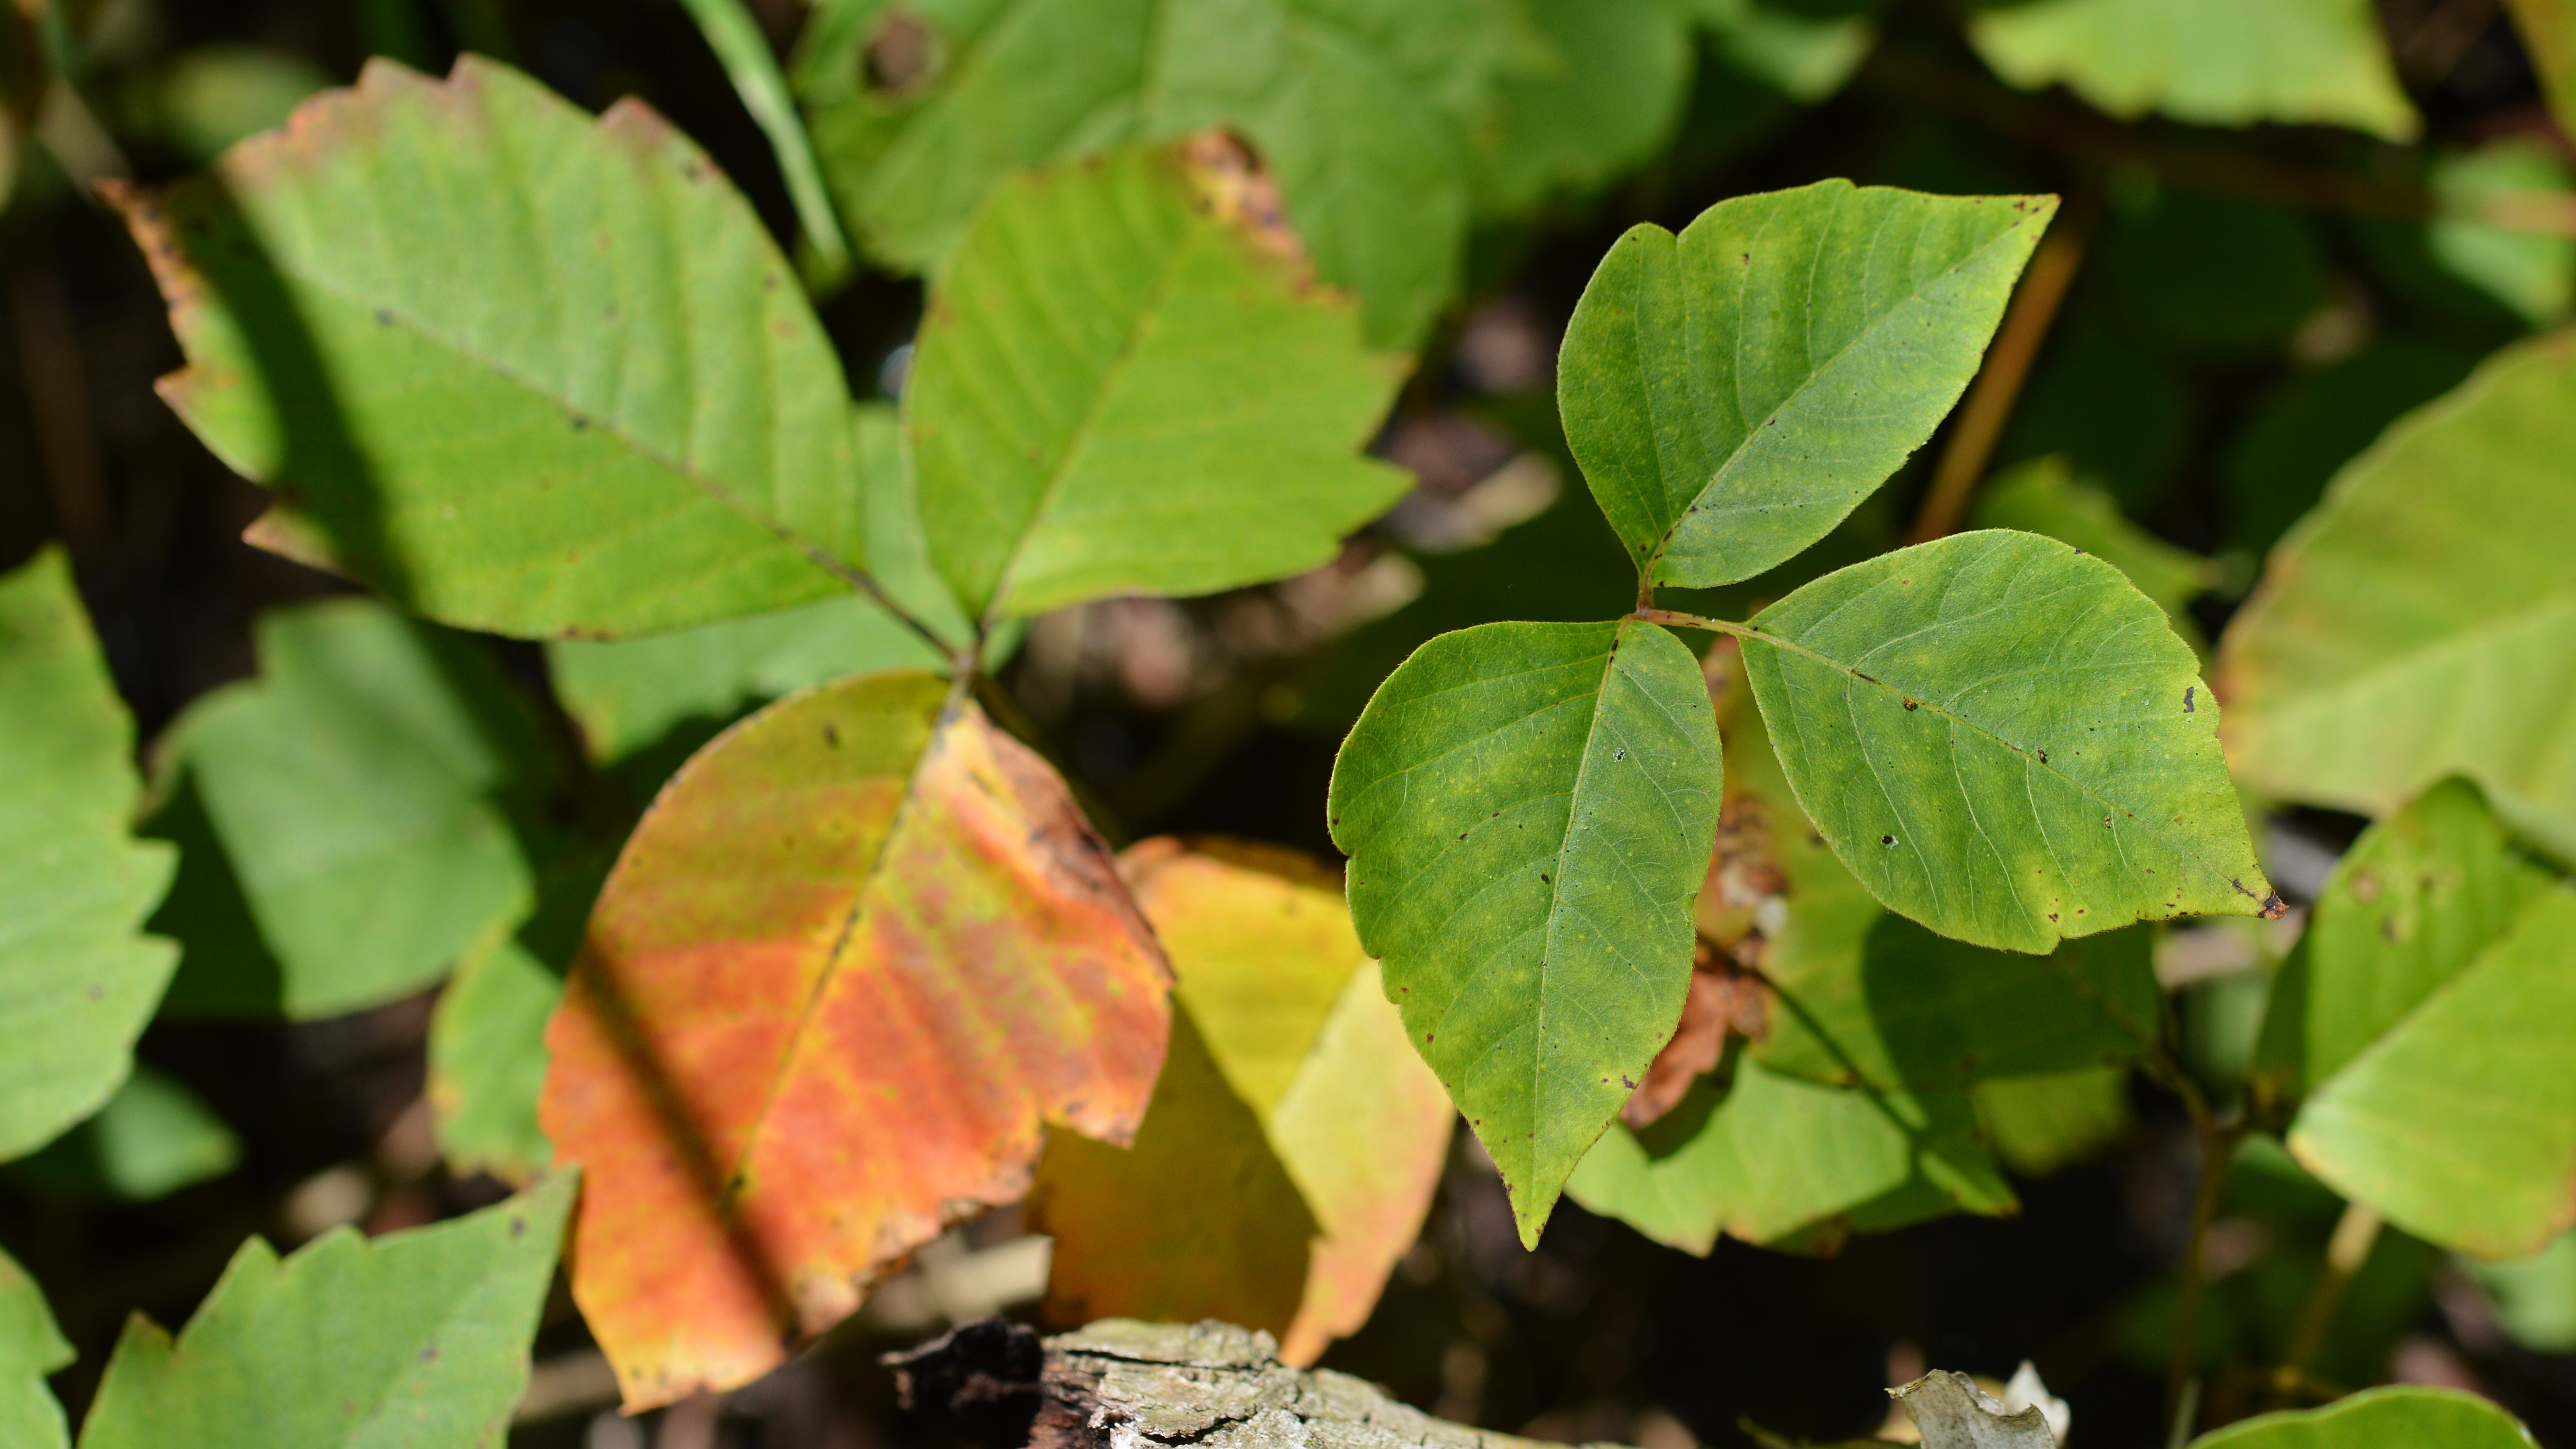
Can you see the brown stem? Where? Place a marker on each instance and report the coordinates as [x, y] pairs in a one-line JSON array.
[[2355, 1233], [2217, 1146], [1998, 385]]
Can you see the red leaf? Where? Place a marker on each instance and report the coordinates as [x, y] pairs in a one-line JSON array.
[[861, 948]]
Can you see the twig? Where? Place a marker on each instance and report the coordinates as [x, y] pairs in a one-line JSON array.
[[2008, 361], [2354, 1235], [2217, 1146]]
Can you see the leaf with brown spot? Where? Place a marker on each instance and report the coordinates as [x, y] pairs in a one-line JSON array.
[[1295, 1137], [858, 952]]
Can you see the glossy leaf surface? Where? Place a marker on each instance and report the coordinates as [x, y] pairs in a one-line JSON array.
[[2004, 740], [2409, 906], [30, 1348], [1294, 1138], [1528, 809], [1734, 391], [561, 383], [2422, 621], [2209, 62], [1120, 389], [859, 951], [417, 1337], [2459, 1123], [2418, 1417], [1365, 111], [81, 979], [358, 792]]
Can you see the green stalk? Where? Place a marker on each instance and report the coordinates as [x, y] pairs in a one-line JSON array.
[[744, 53]]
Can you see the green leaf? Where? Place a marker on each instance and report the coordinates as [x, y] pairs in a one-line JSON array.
[[2407, 909], [214, 95], [2311, 425], [30, 1348], [81, 980], [743, 50], [1117, 392], [2531, 272], [2380, 1418], [2036, 1125], [2043, 496], [1606, 102], [417, 1337], [1805, 56], [1733, 392], [358, 793], [2003, 739], [1529, 810], [2459, 1123], [2535, 1297], [1781, 1161], [152, 1138], [2422, 621], [2548, 32], [1363, 109], [2209, 62], [512, 369]]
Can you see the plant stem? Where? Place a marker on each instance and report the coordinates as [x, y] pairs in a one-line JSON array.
[[1998, 384], [2217, 1146], [743, 51], [2354, 1235]]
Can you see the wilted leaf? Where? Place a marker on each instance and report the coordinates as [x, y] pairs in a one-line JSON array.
[[2459, 1122], [2209, 62], [2004, 740], [513, 369], [2422, 621], [417, 1337], [1784, 1162], [1609, 96], [1120, 390], [81, 979], [1734, 391], [30, 1348], [1291, 1113], [358, 792], [861, 948], [2408, 907], [2044, 496], [2381, 1418], [151, 1139], [1364, 110], [1529, 809]]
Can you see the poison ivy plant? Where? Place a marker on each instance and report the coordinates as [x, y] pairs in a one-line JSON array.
[[30, 1348], [2422, 621], [419, 1336], [1294, 1139], [151, 1139], [2044, 496], [2399, 1414], [1999, 736], [1366, 112], [1125, 388], [2209, 62], [81, 978], [453, 405], [360, 793], [1617, 72], [861, 948]]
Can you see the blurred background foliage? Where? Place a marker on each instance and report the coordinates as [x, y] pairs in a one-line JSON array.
[[2261, 285]]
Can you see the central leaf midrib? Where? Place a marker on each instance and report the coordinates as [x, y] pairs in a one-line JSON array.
[[1753, 430], [1755, 633], [706, 485]]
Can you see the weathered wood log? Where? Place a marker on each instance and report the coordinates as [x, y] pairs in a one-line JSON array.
[[1124, 1385]]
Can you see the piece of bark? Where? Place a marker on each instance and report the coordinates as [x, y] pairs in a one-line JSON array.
[[1954, 1413], [1120, 1384]]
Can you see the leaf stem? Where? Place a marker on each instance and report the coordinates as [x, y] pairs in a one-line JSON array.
[[2354, 1235], [744, 53], [2217, 1147], [1998, 384]]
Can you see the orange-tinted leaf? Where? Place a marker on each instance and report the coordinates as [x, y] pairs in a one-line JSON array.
[[1295, 1139], [861, 948]]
